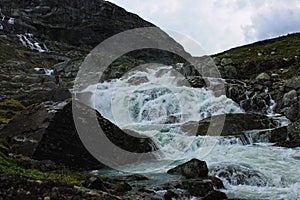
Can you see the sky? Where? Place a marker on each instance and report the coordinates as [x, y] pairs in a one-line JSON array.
[[218, 25]]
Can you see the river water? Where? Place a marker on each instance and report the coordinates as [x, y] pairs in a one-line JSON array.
[[157, 100]]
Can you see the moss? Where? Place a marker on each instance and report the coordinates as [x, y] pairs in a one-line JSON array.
[[9, 165], [11, 104], [8, 109]]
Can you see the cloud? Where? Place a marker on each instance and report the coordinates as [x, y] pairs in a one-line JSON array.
[[220, 25], [273, 22]]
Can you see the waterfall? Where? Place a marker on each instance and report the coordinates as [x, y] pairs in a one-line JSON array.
[[159, 99], [156, 101], [29, 41]]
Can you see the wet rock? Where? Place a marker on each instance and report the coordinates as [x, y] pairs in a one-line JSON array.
[[290, 98], [213, 195], [258, 103], [191, 169], [217, 183], [278, 134], [133, 177], [273, 135], [289, 144], [198, 187], [234, 124], [238, 175], [294, 131]]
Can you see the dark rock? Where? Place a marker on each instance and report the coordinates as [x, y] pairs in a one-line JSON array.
[[230, 72], [289, 144], [293, 83], [278, 134], [218, 184], [191, 169], [170, 195], [122, 187], [133, 177], [94, 183], [213, 195], [226, 61], [292, 112], [234, 124], [290, 98], [238, 175], [235, 91], [258, 87], [197, 187], [273, 135], [294, 131], [47, 132]]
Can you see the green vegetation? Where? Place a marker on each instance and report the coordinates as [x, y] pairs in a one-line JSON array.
[[9, 165], [8, 109], [268, 55]]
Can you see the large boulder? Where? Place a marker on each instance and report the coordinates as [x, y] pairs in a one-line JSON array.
[[234, 124], [48, 132]]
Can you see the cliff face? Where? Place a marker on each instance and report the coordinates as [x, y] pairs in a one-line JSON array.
[[76, 22]]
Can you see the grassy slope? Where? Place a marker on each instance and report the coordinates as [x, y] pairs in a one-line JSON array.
[[276, 53]]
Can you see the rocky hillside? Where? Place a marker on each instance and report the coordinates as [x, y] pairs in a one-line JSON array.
[[266, 75], [58, 35]]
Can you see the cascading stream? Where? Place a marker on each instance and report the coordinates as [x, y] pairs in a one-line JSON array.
[[156, 101]]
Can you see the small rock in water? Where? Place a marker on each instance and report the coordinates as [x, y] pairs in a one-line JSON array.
[[191, 169]]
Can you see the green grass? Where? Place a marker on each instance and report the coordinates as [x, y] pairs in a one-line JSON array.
[[10, 165], [274, 54], [8, 109]]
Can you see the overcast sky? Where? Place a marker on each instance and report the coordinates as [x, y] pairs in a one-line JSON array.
[[218, 25]]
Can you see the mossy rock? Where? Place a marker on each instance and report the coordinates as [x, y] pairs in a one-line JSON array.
[[11, 104]]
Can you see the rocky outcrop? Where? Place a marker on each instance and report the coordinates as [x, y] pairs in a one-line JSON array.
[[47, 132]]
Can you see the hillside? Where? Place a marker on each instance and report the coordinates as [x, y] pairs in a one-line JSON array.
[[275, 55]]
